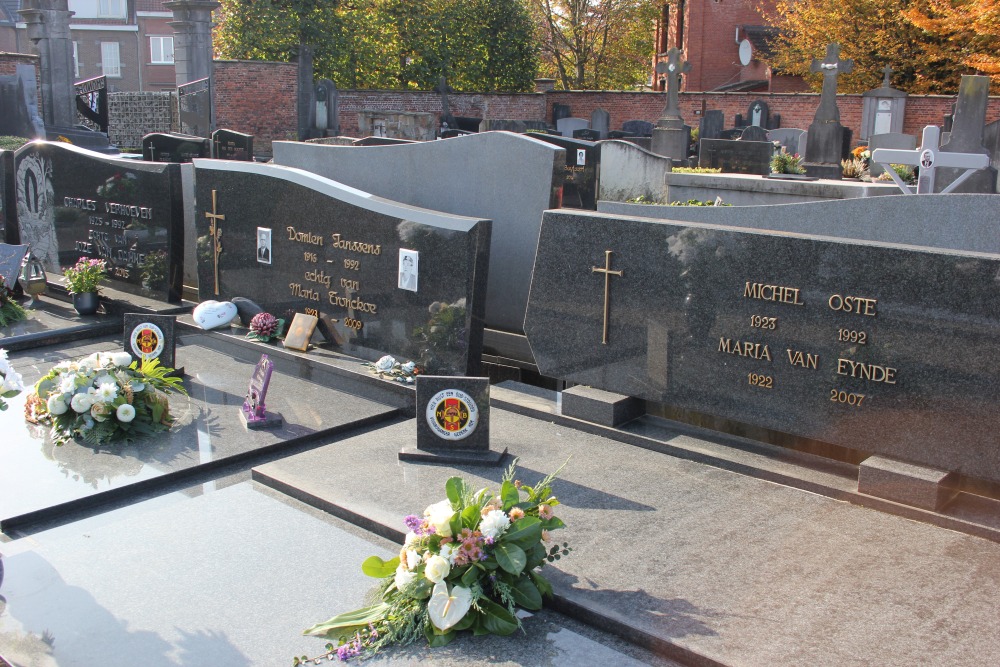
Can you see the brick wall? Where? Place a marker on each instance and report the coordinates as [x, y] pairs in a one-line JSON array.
[[258, 98]]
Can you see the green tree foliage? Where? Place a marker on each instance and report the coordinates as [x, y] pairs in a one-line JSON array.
[[596, 44], [873, 33], [478, 44]]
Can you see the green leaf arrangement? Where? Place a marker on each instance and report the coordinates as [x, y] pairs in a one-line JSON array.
[[10, 310], [105, 397], [467, 565]]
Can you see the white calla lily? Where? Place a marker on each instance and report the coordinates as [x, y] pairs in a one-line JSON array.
[[446, 608]]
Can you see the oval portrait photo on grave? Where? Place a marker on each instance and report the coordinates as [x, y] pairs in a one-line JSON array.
[[147, 341], [452, 414]]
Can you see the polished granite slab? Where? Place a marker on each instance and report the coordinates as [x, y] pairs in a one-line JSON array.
[[39, 479], [52, 321], [704, 565], [227, 578]]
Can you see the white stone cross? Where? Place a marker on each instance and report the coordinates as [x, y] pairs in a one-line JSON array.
[[929, 157]]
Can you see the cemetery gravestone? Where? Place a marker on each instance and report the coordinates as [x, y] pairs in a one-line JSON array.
[[894, 140], [826, 143], [519, 126], [587, 135], [230, 145], [868, 345], [11, 257], [73, 203], [566, 126], [671, 137], [334, 251], [736, 157], [754, 133], [966, 137], [151, 337], [583, 164], [757, 114], [164, 147], [92, 101], [19, 102], [8, 201], [882, 109], [600, 122], [929, 158], [711, 124], [637, 128], [447, 120], [792, 140], [560, 111], [194, 101], [327, 109]]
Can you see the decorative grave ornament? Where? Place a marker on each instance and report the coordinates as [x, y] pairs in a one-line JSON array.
[[214, 314], [300, 331], [930, 157], [33, 279], [453, 422], [254, 412], [673, 68], [151, 337]]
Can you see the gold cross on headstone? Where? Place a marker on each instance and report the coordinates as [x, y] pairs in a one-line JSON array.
[[607, 289], [216, 233]]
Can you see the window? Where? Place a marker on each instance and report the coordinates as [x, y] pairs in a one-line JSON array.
[[111, 65], [161, 50], [111, 9], [76, 60]]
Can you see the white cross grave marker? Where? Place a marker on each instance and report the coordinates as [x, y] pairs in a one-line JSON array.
[[929, 157]]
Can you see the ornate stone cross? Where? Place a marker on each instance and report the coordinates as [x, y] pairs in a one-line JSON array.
[[606, 270], [215, 232], [443, 89], [831, 67], [887, 71], [929, 157], [673, 68]]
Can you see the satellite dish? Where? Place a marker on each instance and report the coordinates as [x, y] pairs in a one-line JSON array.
[[746, 52]]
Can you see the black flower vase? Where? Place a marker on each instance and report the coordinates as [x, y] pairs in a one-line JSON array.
[[86, 303]]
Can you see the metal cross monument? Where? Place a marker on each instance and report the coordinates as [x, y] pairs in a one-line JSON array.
[[673, 68], [831, 67], [929, 157]]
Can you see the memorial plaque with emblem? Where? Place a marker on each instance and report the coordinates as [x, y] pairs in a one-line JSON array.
[[151, 337], [453, 422]]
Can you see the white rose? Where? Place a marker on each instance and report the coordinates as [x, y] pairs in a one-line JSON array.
[[125, 413], [81, 402], [404, 577], [385, 363], [439, 515], [121, 358], [56, 405], [436, 569], [100, 411], [494, 524]]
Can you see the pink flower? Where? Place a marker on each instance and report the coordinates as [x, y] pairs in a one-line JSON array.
[[545, 512], [516, 513]]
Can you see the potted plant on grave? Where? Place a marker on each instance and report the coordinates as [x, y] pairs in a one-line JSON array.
[[784, 162], [83, 280]]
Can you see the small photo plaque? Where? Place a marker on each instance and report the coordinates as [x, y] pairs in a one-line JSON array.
[[300, 331], [264, 245], [408, 264]]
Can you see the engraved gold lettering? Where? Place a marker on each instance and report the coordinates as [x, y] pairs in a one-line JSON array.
[[80, 203], [318, 277], [776, 293], [303, 237], [744, 348], [356, 246], [352, 304], [856, 305], [803, 360], [870, 372], [303, 292]]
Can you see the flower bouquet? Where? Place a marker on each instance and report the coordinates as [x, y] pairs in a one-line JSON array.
[[103, 398], [10, 310], [12, 384], [85, 276], [468, 564], [387, 368], [784, 162]]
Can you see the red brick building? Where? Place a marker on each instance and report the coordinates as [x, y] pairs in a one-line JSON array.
[[724, 40]]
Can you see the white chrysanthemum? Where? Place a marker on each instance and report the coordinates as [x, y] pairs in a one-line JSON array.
[[67, 383], [448, 552], [494, 524], [121, 358], [408, 367], [56, 404], [403, 577], [4, 364], [106, 392], [12, 381], [125, 413], [411, 537], [82, 402]]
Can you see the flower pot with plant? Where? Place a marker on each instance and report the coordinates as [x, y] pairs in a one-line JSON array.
[[787, 163], [83, 282]]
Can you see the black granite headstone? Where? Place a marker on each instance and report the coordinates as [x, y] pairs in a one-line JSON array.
[[165, 147], [194, 102], [736, 157], [757, 114], [877, 347], [92, 101], [583, 159], [11, 257], [8, 200], [381, 141], [74, 203], [600, 122], [560, 111], [505, 125], [587, 134], [638, 128], [231, 145], [151, 337], [711, 124], [343, 254], [731, 134], [453, 422], [753, 133]]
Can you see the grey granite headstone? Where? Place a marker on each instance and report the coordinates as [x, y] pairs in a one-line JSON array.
[[599, 406], [74, 203], [826, 143], [150, 337], [341, 254], [868, 346], [754, 133], [600, 120], [638, 128], [462, 176], [11, 257], [967, 136], [19, 102], [757, 114], [453, 422], [906, 142], [792, 139], [736, 157], [566, 126], [711, 124]]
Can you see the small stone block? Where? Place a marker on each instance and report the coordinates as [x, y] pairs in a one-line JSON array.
[[917, 486], [489, 457], [270, 420], [453, 422], [599, 406]]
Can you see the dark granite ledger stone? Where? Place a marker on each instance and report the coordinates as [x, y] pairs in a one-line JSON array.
[[883, 348], [335, 253], [736, 156], [74, 203]]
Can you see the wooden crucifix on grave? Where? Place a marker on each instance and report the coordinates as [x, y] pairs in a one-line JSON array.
[[215, 233], [830, 67], [673, 68], [929, 157]]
